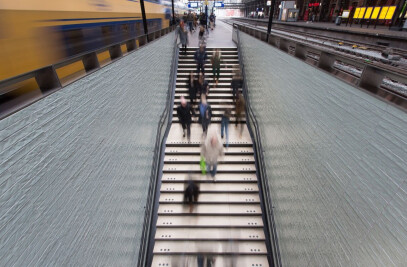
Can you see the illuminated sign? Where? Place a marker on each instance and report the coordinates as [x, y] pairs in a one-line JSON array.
[[356, 14], [268, 3], [362, 12], [345, 14], [193, 4], [390, 12], [375, 14], [313, 4], [219, 4], [383, 12], [368, 12]]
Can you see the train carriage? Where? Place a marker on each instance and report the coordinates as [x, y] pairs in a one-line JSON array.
[[37, 33]]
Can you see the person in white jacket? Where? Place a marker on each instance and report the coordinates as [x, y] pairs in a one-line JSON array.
[[211, 150]]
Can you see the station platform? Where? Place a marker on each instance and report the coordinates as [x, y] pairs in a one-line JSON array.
[[75, 168], [355, 28]]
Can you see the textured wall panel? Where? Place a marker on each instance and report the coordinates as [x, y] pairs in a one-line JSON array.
[[336, 160], [75, 166]]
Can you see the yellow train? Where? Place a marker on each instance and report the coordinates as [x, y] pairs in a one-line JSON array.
[[37, 33]]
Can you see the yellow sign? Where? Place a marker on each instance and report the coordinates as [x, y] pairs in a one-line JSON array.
[[362, 12], [206, 2], [383, 12], [356, 14], [368, 12], [390, 13], [376, 11]]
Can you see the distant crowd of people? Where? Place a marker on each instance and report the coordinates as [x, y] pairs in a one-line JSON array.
[[199, 88], [195, 104]]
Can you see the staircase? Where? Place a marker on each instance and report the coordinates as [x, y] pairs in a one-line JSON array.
[[226, 224]]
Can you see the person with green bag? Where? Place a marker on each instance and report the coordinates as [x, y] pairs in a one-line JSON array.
[[211, 150], [203, 165]]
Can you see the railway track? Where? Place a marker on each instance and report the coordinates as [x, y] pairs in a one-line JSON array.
[[363, 51], [389, 85]]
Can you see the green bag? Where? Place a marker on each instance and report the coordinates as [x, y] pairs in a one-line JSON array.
[[203, 165]]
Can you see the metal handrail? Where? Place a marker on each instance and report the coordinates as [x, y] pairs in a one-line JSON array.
[[260, 163], [48, 80], [148, 227]]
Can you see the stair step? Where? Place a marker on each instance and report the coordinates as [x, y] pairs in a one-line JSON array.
[[230, 159], [197, 151], [225, 68], [220, 178], [198, 234], [212, 187], [198, 144], [210, 222], [219, 261], [212, 95], [209, 209], [212, 247], [216, 106], [205, 198], [222, 168], [215, 113], [213, 120]]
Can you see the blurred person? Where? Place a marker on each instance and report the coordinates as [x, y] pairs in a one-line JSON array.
[[240, 109], [212, 21], [192, 88], [201, 36], [203, 85], [183, 36], [191, 193], [200, 57], [190, 21], [205, 254], [216, 61], [205, 260], [224, 126], [205, 114], [236, 84], [232, 247], [184, 112], [195, 21], [211, 150]]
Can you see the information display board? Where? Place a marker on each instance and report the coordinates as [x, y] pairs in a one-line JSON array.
[[219, 4], [193, 4]]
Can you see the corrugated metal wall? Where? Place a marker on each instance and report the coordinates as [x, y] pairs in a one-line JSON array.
[[336, 162], [75, 166]]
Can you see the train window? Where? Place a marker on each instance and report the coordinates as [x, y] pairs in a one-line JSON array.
[[107, 30], [107, 33], [74, 40], [138, 28], [124, 28], [125, 31]]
